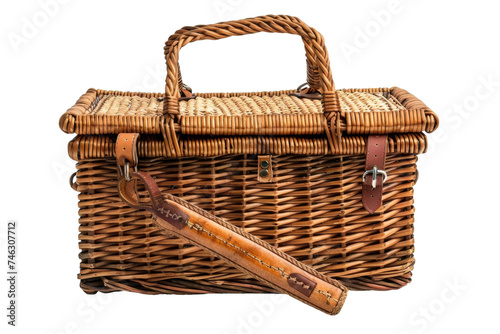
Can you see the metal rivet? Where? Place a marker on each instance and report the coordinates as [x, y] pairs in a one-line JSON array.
[[264, 173], [264, 164]]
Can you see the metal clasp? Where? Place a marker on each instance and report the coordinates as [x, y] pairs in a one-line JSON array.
[[126, 170], [375, 171], [305, 84]]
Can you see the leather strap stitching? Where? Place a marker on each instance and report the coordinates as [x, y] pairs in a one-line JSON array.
[[198, 227]]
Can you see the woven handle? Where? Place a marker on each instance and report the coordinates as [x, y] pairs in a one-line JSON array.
[[319, 73], [312, 69], [234, 246]]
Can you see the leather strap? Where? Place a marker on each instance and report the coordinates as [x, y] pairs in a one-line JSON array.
[[126, 149], [234, 246], [128, 192], [307, 96], [376, 147]]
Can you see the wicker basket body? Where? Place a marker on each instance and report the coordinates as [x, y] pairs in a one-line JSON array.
[[205, 149]]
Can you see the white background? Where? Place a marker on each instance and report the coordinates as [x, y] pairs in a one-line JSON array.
[[444, 52]]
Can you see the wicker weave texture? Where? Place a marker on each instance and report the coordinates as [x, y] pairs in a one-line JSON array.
[[312, 211], [241, 105], [88, 147]]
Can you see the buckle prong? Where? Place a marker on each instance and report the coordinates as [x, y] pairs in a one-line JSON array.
[[126, 170]]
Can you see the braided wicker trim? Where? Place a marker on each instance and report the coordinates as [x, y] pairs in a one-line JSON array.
[[87, 147]]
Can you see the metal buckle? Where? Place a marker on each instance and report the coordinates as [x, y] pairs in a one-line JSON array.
[[375, 171], [126, 170], [305, 84]]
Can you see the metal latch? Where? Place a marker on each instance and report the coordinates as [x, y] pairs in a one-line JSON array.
[[265, 169]]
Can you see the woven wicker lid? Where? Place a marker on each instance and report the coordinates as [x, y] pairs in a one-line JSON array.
[[362, 111]]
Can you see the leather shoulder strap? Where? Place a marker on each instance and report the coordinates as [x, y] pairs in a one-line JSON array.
[[233, 245]]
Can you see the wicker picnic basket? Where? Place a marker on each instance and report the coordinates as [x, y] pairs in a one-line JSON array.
[[321, 174]]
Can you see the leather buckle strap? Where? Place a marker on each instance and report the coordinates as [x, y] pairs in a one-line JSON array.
[[126, 153], [375, 175], [169, 213], [126, 150]]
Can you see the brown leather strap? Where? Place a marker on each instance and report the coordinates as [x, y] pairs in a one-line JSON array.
[[375, 164], [170, 214], [234, 246], [126, 150], [307, 96]]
